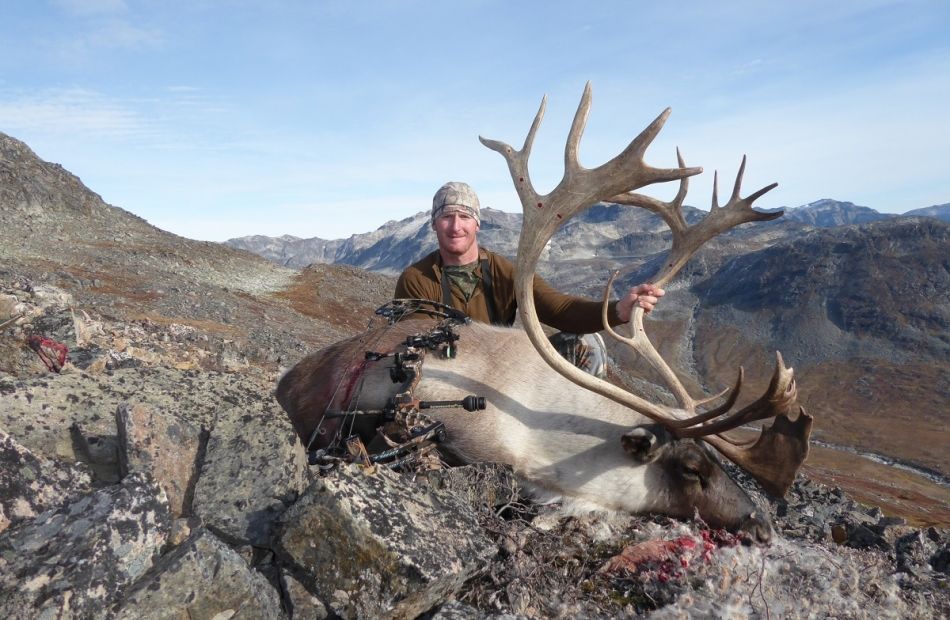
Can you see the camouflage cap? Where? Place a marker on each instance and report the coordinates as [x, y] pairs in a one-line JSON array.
[[456, 196]]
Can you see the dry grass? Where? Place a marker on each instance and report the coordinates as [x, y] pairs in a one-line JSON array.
[[895, 491], [344, 296]]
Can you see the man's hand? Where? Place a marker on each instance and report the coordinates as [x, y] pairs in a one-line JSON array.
[[644, 295]]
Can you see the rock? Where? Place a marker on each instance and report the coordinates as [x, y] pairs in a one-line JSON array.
[[839, 534], [57, 324], [30, 484], [182, 529], [201, 579], [302, 603], [378, 546], [75, 561], [923, 551], [254, 467], [9, 306], [39, 411], [163, 446], [46, 296], [99, 452]]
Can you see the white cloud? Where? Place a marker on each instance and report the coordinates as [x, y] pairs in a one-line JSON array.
[[66, 112]]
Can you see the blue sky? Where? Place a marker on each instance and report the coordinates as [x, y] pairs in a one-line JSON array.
[[222, 119]]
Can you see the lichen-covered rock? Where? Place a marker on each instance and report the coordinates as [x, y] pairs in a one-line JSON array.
[[301, 602], [161, 445], [30, 484], [201, 579], [73, 562], [39, 412], [379, 546], [922, 552], [254, 467]]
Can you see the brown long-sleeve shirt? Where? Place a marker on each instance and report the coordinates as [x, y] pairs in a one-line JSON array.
[[423, 280]]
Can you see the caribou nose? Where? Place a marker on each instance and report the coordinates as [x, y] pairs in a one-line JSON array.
[[758, 527]]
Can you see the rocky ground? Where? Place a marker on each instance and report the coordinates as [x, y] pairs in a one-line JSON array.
[[155, 476]]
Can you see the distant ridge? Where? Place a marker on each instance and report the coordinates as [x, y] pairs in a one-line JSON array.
[[606, 231]]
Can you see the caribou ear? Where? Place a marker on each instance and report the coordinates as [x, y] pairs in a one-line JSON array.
[[643, 443]]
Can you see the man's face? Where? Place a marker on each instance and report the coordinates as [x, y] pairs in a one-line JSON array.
[[456, 231]]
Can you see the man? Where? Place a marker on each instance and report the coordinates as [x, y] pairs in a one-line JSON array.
[[481, 283]]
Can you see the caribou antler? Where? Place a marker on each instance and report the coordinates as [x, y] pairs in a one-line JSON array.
[[615, 181]]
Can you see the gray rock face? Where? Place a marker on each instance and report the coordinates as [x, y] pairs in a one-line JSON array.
[[39, 412], [301, 603], [201, 579], [374, 547], [161, 446], [254, 467], [30, 484], [73, 562]]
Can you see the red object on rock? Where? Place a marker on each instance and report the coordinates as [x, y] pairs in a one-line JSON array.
[[54, 354], [665, 559]]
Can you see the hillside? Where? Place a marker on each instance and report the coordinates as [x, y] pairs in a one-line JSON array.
[[54, 229]]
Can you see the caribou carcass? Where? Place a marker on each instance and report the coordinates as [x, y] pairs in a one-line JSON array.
[[563, 431]]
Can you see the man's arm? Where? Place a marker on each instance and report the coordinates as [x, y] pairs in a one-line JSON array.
[[569, 313], [576, 314]]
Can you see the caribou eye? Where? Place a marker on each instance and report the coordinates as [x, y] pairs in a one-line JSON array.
[[691, 473], [692, 467]]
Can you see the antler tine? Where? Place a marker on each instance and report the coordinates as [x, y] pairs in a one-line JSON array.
[[572, 165], [671, 212], [779, 399], [642, 345], [639, 342], [688, 239], [777, 454], [518, 160]]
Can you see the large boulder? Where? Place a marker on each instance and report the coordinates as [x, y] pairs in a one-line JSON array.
[[30, 484], [254, 468], [161, 445], [201, 579], [73, 562], [380, 546]]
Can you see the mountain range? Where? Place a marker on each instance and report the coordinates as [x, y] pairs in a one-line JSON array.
[[603, 231]]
